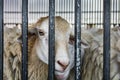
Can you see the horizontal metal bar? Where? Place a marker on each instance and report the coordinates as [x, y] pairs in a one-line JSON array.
[[73, 24], [24, 39], [43, 12], [77, 39], [12, 23], [39, 12], [1, 40], [106, 50], [51, 68]]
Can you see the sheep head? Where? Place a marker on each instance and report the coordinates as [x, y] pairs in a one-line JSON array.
[[64, 49]]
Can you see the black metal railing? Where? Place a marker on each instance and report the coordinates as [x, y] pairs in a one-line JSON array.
[[24, 39], [106, 49], [51, 68], [106, 25], [77, 39], [1, 40]]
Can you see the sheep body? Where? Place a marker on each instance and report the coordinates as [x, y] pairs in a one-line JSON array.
[[12, 54], [93, 59]]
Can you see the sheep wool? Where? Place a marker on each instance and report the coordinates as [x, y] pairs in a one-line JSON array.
[[12, 54], [93, 59]]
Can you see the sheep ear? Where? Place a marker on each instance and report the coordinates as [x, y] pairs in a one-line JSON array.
[[32, 31]]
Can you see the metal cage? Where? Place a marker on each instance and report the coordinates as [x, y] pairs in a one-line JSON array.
[[82, 14]]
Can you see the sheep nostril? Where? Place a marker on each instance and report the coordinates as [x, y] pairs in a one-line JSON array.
[[63, 64]]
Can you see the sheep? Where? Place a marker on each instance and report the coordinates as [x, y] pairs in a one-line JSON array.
[[38, 51], [92, 68], [12, 53]]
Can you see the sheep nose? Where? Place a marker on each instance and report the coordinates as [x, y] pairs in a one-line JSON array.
[[63, 64]]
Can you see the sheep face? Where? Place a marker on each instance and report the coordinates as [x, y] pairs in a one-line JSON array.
[[63, 45]]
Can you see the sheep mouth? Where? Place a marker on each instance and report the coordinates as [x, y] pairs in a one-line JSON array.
[[61, 75], [59, 71]]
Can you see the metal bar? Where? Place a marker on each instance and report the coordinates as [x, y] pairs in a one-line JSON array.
[[51, 40], [73, 24], [113, 11], [87, 11], [118, 12], [58, 6], [24, 39], [97, 9], [1, 40], [72, 9], [69, 3], [77, 39], [44, 6], [95, 13], [64, 7], [44, 12], [116, 9], [106, 50], [92, 3], [101, 12], [84, 14]]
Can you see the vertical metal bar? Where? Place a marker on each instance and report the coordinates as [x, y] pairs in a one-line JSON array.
[[1, 40], [24, 38], [95, 13], [100, 13], [116, 11], [69, 3], [106, 50], [51, 40], [58, 7], [45, 6], [85, 14], [63, 7], [113, 12], [72, 9], [97, 9], [88, 10], [77, 39]]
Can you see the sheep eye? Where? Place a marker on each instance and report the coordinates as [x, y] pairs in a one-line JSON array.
[[41, 33]]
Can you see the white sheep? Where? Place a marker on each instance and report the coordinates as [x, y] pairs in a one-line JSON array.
[[93, 58], [12, 54], [38, 51]]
